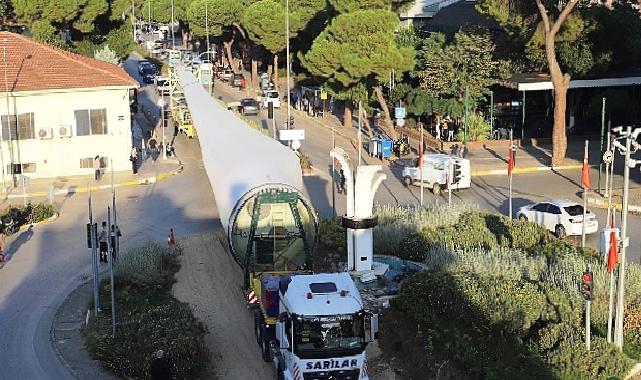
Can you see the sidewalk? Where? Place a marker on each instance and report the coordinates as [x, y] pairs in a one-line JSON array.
[[66, 335], [149, 173]]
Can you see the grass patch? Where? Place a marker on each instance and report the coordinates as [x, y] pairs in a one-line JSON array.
[[148, 318], [500, 300]]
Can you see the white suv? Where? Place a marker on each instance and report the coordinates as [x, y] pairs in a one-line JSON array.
[[561, 216], [270, 96]]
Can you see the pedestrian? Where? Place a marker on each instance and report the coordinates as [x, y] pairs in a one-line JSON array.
[[160, 366], [438, 130], [114, 235], [341, 181], [134, 160], [102, 239], [153, 148], [96, 167], [454, 150]]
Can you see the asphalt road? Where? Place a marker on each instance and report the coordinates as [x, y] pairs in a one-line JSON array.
[[48, 261], [488, 192]]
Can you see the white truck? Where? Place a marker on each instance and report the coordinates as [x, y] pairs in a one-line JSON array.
[[435, 174], [320, 328], [270, 96]]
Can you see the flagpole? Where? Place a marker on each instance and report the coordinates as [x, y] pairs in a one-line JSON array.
[[585, 193], [510, 169], [420, 163], [611, 301]]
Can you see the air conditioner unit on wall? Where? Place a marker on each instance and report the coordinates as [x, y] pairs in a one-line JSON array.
[[45, 133], [64, 131]]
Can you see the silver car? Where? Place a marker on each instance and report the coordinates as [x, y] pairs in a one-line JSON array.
[[249, 106]]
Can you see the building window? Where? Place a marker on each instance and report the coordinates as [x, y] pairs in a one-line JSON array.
[[29, 167], [87, 163], [91, 122], [22, 130]]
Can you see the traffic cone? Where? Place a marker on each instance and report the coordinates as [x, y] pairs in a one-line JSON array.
[[171, 239]]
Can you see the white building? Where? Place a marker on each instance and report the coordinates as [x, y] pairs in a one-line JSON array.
[[69, 109]]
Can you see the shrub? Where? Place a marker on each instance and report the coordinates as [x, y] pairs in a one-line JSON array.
[[149, 319], [40, 212], [145, 264], [478, 129], [413, 247], [332, 235]]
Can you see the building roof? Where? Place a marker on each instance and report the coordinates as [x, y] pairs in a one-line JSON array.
[[453, 15], [35, 66], [542, 81]]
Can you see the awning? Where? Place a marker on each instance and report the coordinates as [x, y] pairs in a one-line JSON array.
[[542, 81]]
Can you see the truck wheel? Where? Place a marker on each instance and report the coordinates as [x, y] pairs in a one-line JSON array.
[[559, 231], [523, 218], [279, 373], [258, 322], [407, 180], [266, 351], [436, 188]]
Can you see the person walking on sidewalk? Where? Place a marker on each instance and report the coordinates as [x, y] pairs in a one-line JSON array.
[[134, 160], [114, 236], [102, 239], [96, 167], [160, 367]]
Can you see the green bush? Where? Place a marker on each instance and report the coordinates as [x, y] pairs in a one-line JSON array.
[[40, 212], [413, 247], [31, 213], [332, 235], [149, 318]]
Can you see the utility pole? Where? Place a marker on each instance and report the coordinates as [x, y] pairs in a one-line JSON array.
[[93, 251], [133, 19], [601, 149], [465, 130], [9, 124], [585, 193], [360, 138], [333, 172], [111, 272], [207, 31], [628, 164], [289, 100], [420, 164], [173, 39]]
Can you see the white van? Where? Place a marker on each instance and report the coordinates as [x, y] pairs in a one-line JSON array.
[[270, 96], [435, 172]]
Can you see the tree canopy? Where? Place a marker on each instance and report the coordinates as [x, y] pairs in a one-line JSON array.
[[221, 14], [61, 14]]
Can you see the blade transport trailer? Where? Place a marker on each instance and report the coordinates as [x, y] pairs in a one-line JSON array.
[[311, 326]]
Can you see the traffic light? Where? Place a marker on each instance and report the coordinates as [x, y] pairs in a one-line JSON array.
[[586, 285], [457, 172]]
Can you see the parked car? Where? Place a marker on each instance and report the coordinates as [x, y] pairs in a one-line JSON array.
[[561, 216], [270, 96], [162, 85], [249, 106], [141, 64], [149, 73], [238, 80], [226, 75]]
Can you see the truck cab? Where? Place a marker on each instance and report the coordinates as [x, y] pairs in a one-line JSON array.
[[322, 329]]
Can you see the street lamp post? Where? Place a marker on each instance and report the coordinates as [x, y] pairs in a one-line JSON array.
[[289, 115], [173, 39]]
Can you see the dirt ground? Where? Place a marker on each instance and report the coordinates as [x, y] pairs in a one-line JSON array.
[[210, 281]]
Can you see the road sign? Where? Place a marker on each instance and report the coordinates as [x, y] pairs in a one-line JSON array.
[[399, 112], [296, 144], [323, 95], [292, 134], [607, 157], [400, 122]]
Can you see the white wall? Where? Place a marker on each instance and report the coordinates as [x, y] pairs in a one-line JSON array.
[[60, 156]]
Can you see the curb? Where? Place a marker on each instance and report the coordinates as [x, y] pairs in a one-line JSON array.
[[532, 169], [83, 189], [604, 204]]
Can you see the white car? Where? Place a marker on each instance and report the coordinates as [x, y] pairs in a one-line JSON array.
[[561, 216], [162, 85], [270, 96]]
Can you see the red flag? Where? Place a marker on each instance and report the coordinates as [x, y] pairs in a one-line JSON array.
[[585, 170], [510, 159], [613, 254]]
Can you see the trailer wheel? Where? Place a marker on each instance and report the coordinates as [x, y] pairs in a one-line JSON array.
[[266, 351], [436, 188], [407, 180], [258, 321]]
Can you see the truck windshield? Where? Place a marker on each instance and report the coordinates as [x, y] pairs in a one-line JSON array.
[[318, 337]]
